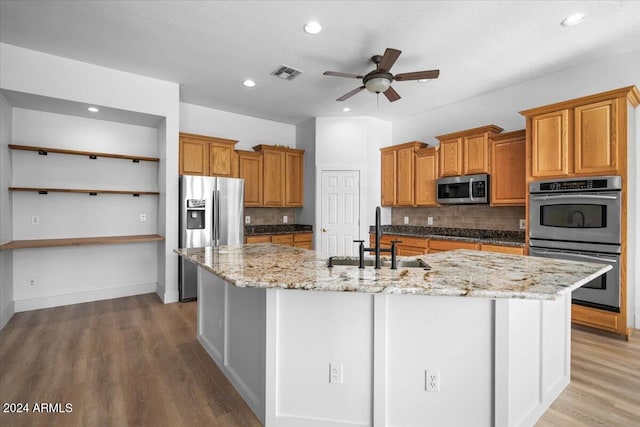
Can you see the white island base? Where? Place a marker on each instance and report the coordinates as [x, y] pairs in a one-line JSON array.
[[501, 362]]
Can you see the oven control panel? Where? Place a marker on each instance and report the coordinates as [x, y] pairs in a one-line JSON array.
[[572, 184]]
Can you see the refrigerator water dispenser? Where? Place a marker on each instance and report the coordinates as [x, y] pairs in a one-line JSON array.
[[195, 219]]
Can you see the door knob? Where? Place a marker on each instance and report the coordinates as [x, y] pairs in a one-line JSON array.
[[324, 230]]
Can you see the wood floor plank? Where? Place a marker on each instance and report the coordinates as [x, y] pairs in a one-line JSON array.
[[135, 361]]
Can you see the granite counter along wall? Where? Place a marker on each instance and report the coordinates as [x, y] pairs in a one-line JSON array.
[[463, 216]]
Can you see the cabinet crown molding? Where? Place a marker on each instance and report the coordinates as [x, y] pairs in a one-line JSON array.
[[516, 134], [490, 129], [208, 138], [262, 147], [415, 144], [629, 92]]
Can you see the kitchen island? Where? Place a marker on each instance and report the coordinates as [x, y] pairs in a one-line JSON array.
[[487, 334]]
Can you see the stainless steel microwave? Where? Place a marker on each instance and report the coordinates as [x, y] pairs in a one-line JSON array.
[[468, 189]]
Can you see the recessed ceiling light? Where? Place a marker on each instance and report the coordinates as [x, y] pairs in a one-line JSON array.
[[93, 109], [249, 83], [346, 109], [574, 19], [313, 27]]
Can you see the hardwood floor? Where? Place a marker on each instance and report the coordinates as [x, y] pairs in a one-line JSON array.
[[135, 361]]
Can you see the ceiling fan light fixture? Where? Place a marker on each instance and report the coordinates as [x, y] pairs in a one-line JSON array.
[[377, 84]]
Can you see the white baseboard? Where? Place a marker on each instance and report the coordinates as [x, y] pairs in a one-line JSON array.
[[165, 296], [6, 315], [80, 297]]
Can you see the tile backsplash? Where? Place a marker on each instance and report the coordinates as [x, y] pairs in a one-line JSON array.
[[262, 216], [463, 216]]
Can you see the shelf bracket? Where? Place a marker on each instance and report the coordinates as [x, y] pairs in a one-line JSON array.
[[42, 152], [136, 160], [136, 195], [42, 191], [93, 156], [93, 194]]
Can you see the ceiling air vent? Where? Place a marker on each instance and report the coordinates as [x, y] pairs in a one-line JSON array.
[[285, 72]]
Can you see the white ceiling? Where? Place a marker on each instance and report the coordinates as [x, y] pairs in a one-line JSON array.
[[210, 47]]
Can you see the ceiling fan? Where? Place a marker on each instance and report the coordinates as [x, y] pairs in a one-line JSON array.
[[379, 80]]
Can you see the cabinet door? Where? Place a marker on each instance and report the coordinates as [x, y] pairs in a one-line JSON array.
[[194, 157], [475, 150], [303, 240], [503, 249], [273, 177], [221, 160], [388, 174], [250, 169], [596, 142], [426, 175], [404, 177], [282, 239], [263, 238], [508, 181], [451, 157], [294, 179], [550, 150]]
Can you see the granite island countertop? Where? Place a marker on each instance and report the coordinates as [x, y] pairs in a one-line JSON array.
[[453, 273]]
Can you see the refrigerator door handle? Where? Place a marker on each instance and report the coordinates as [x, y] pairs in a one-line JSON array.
[[217, 223]]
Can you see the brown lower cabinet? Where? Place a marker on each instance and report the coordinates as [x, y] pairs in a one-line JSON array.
[[299, 240], [413, 246]]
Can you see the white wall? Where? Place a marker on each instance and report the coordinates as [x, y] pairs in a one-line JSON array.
[[6, 232], [247, 130], [22, 71], [501, 108], [353, 144], [306, 140]]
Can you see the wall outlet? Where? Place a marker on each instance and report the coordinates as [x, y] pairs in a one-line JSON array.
[[143, 217], [406, 220], [35, 220], [32, 282], [336, 373], [432, 381], [247, 219], [285, 219], [523, 224], [429, 220]]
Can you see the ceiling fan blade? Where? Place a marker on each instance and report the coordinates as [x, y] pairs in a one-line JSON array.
[[417, 75], [350, 94], [391, 94], [388, 59], [339, 74]]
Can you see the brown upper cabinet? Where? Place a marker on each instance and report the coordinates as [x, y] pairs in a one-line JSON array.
[[466, 152], [207, 156], [426, 176], [250, 169], [508, 180], [579, 137], [398, 173], [283, 176]]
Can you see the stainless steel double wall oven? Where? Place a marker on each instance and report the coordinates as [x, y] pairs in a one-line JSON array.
[[579, 219]]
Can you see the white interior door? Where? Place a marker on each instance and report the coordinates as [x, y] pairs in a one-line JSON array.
[[340, 212]]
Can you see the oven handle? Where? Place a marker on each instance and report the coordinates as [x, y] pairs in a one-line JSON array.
[[613, 261], [571, 196]]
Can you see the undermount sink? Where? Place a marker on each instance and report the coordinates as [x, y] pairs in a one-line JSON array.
[[405, 263]]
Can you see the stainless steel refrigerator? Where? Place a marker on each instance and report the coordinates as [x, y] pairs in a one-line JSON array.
[[211, 214]]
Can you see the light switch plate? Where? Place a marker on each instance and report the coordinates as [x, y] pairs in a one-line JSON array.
[[523, 224], [285, 219], [247, 219], [429, 220], [406, 220]]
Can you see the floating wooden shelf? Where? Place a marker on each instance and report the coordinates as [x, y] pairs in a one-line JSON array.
[[90, 154], [79, 241], [78, 190]]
